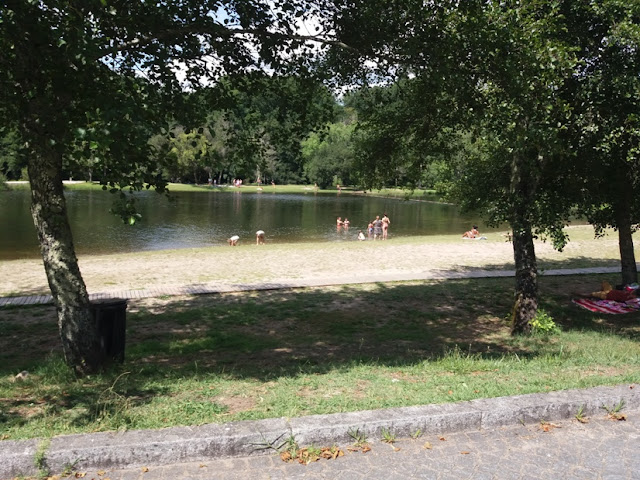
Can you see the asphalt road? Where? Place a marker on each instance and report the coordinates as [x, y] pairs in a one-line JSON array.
[[600, 449]]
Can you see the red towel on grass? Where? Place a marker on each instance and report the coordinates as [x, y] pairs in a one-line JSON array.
[[608, 306]]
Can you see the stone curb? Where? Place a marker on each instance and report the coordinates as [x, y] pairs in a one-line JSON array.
[[111, 450]]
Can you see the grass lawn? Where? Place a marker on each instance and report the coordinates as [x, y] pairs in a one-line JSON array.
[[417, 194], [217, 358]]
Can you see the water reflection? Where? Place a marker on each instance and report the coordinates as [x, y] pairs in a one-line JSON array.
[[199, 219]]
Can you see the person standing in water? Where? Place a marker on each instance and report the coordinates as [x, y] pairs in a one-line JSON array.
[[377, 228], [385, 226]]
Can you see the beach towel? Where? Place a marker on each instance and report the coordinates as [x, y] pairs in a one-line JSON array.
[[608, 306]]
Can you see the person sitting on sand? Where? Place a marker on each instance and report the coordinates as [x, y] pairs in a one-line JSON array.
[[361, 236], [233, 241], [473, 233], [260, 237]]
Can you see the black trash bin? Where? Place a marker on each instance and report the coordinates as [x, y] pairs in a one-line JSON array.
[[110, 316]]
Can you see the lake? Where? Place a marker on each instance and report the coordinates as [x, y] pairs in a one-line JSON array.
[[198, 219]]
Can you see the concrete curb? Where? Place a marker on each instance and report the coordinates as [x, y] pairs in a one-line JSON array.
[[191, 444]]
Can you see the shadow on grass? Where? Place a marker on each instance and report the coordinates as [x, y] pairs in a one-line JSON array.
[[280, 334], [269, 334], [80, 406]]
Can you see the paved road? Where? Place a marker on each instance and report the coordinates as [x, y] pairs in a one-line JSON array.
[[600, 449]]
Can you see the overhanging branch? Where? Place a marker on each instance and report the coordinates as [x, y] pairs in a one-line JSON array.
[[219, 31]]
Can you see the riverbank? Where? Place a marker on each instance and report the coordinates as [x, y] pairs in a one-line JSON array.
[[249, 263]]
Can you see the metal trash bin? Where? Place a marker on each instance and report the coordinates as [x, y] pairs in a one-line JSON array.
[[110, 315]]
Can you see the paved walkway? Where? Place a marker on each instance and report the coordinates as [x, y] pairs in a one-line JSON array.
[[520, 437], [208, 288], [601, 449]]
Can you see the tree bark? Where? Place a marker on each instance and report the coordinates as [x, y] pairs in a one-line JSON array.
[[625, 241], [526, 294], [522, 189], [78, 333]]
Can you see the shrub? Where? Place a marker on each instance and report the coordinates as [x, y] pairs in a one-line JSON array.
[[543, 323]]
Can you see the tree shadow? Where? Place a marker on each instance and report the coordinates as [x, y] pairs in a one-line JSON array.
[[266, 335], [81, 407]]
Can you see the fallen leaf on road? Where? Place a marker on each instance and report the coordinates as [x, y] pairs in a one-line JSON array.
[[202, 465], [101, 473], [427, 446], [145, 469], [547, 427], [617, 416], [465, 453], [442, 439], [285, 456], [80, 474]]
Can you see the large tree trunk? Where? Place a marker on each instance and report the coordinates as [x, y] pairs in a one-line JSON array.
[[627, 255], [80, 342], [623, 223], [523, 187], [526, 294]]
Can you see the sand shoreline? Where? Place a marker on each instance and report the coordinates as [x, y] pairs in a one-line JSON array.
[[279, 262]]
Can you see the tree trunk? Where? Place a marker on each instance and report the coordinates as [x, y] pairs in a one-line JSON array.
[[625, 240], [526, 294], [522, 189], [80, 342]]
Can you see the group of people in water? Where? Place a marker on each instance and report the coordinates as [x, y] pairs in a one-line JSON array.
[[378, 229]]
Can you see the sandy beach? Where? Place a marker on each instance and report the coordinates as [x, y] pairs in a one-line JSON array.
[[249, 263]]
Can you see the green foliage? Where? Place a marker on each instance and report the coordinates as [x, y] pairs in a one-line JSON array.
[[329, 155], [359, 438], [387, 436], [11, 162], [125, 207], [190, 151], [543, 323]]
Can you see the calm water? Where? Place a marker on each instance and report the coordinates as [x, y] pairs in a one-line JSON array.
[[199, 219]]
